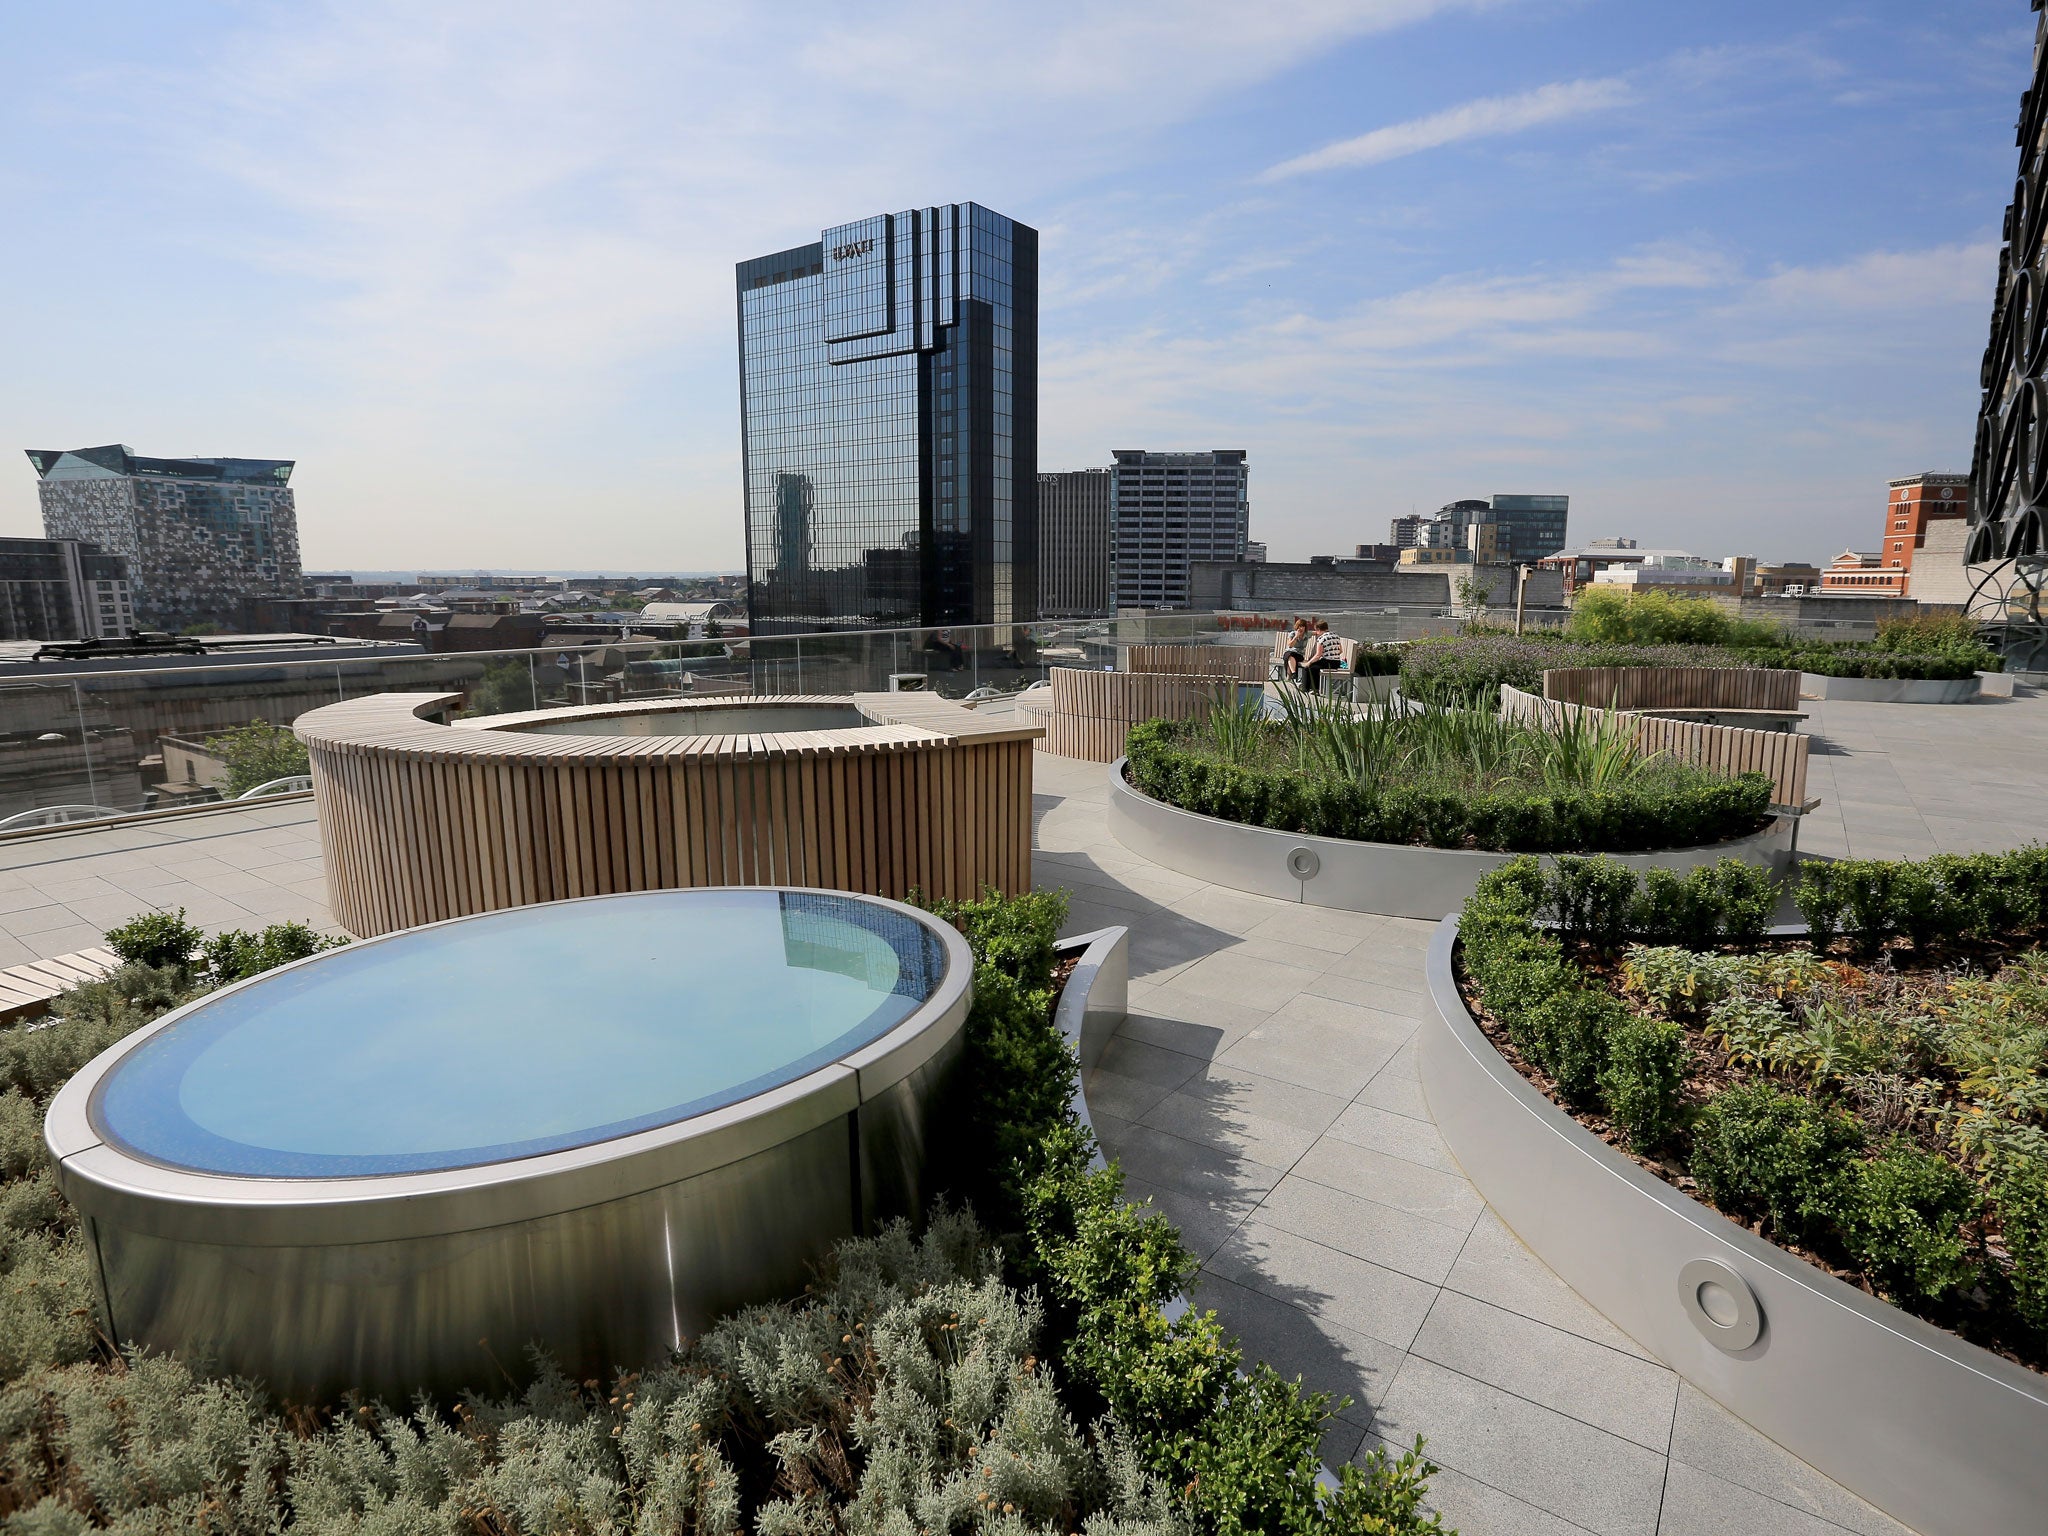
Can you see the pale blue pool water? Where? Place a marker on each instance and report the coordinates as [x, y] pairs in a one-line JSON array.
[[519, 1033]]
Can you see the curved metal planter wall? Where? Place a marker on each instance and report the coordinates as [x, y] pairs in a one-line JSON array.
[[610, 1253], [420, 821], [1391, 879], [1945, 1436], [1893, 690], [1095, 1001]]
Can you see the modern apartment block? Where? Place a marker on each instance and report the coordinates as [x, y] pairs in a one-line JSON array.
[[1173, 509], [63, 589], [200, 536], [1075, 543], [889, 423]]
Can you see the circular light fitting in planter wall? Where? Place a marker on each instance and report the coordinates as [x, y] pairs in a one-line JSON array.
[[1304, 863], [1720, 1304]]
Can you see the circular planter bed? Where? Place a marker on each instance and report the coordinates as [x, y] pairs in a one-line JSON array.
[[1892, 690], [1391, 879], [1943, 1435]]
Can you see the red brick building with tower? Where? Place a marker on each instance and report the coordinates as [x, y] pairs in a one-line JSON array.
[[1887, 571]]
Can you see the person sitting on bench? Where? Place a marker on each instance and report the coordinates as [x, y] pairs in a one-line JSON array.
[[1296, 654], [1327, 654]]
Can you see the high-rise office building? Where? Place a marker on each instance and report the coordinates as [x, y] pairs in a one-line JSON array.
[[200, 536], [1509, 530], [1075, 544], [889, 423], [1171, 510], [63, 589], [1533, 526]]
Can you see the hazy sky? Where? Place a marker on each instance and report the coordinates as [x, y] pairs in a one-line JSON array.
[[1717, 270]]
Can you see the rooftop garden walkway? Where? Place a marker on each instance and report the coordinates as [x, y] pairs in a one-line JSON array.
[[1264, 1093]]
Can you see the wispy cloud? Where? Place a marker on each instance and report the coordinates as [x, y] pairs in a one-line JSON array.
[[1945, 274], [1492, 117]]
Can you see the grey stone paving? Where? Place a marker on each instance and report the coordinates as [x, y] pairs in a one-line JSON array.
[[239, 867], [1263, 1093], [1904, 781]]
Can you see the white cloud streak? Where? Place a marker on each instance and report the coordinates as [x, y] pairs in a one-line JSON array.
[[1492, 117]]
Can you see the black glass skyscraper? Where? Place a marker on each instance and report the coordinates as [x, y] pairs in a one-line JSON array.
[[889, 423]]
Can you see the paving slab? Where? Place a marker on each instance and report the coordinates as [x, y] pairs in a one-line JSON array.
[[1621, 1393], [1549, 1459]]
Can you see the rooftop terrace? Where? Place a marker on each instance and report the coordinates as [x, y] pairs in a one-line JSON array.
[[1263, 1091]]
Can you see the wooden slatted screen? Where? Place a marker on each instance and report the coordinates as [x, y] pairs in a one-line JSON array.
[[1674, 687], [1779, 755], [1090, 713], [422, 822], [1246, 663]]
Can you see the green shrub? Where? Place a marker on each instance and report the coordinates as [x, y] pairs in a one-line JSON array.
[[1619, 616], [1378, 660], [256, 753], [157, 939], [1015, 934], [1950, 898], [1760, 1151], [1643, 1078], [237, 955], [22, 1151], [1569, 1032], [1902, 1215], [1518, 972], [1591, 901], [1673, 909], [1743, 898], [2021, 1198]]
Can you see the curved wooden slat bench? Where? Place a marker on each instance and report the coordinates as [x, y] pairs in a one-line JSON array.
[[422, 821], [1088, 714], [1769, 690]]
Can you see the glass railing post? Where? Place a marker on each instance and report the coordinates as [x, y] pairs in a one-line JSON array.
[[92, 793]]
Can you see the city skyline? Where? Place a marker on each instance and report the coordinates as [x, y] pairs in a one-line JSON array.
[[1722, 276]]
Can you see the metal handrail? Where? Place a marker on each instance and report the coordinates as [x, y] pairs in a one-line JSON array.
[[290, 784], [58, 816]]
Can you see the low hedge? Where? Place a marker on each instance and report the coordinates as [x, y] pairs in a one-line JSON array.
[[1978, 898], [1459, 667], [1660, 814], [1832, 661], [1456, 668], [1905, 1198]]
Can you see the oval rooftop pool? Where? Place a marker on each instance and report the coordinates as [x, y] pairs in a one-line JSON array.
[[593, 1125]]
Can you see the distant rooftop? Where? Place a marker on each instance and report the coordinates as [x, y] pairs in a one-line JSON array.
[[119, 461]]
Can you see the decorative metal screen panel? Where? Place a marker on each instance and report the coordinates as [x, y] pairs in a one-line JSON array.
[[2009, 465]]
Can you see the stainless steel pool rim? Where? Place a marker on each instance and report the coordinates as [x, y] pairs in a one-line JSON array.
[[111, 1184]]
